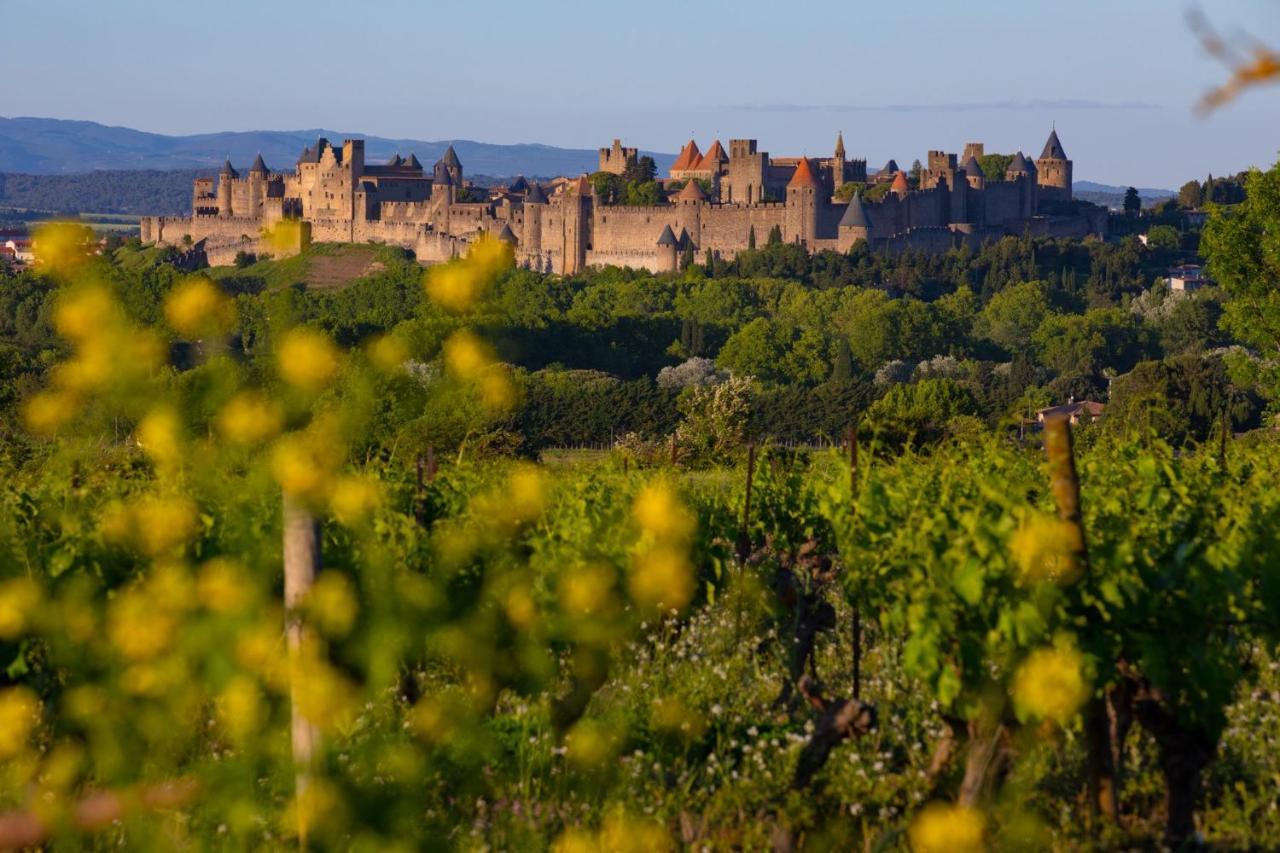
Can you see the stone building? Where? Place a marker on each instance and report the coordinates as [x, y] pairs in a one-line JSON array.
[[718, 202]]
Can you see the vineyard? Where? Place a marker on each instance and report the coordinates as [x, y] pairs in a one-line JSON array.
[[233, 616]]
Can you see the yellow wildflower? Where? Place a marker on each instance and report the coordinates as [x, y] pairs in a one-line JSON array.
[[497, 392], [1050, 685], [240, 707], [622, 834], [137, 627], [388, 353], [590, 744], [159, 436], [224, 586], [19, 599], [466, 356], [46, 411], [249, 418], [85, 312], [353, 498], [525, 496], [944, 828], [161, 524], [489, 256], [332, 603], [19, 714], [198, 307], [1044, 548], [586, 590], [307, 359], [454, 286], [658, 511], [661, 577], [63, 246]]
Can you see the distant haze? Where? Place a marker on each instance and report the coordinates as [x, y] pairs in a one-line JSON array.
[[1119, 78]]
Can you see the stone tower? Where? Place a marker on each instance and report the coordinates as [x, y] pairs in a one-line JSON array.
[[535, 205], [257, 185], [225, 177], [1023, 170], [667, 250], [689, 204], [802, 205], [1054, 170], [837, 163], [853, 225]]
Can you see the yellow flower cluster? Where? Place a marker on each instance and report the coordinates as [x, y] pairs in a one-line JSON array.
[[471, 360], [107, 351], [19, 599], [19, 714], [944, 828], [661, 574], [1051, 685], [159, 436], [63, 246], [304, 463], [307, 359], [152, 524], [224, 586], [618, 834], [331, 603], [457, 285], [591, 744], [388, 353], [1045, 548], [353, 498], [197, 308], [249, 418]]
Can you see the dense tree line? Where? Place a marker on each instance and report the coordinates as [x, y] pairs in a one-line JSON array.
[[142, 191], [989, 334]]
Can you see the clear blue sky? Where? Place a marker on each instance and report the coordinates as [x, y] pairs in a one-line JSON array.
[[1119, 77]]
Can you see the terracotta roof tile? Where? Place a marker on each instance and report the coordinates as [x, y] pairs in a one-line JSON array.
[[803, 175]]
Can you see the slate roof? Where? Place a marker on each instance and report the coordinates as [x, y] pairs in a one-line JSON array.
[[1053, 148]]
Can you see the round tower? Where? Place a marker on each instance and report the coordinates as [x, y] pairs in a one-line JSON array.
[[257, 185], [802, 205], [225, 177], [667, 250], [1054, 170], [535, 202]]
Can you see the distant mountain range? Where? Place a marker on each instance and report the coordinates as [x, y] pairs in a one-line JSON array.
[[47, 146], [1112, 196]]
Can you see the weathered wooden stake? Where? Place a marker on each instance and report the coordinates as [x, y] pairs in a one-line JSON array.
[[1065, 485], [301, 563], [744, 536]]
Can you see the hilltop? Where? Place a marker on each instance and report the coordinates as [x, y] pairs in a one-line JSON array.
[[59, 146]]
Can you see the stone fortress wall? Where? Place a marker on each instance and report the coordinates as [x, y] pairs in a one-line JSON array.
[[718, 202]]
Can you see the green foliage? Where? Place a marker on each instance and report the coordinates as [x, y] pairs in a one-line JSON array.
[[994, 166], [1163, 238]]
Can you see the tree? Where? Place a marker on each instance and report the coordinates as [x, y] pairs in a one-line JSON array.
[[751, 237], [1132, 202], [994, 166], [642, 170], [913, 177], [1242, 245], [842, 364], [920, 410], [1164, 238], [775, 235], [1190, 195], [1084, 344], [1182, 399], [1013, 315]]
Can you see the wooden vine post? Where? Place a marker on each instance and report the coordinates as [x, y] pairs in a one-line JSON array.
[[744, 534], [301, 563], [1064, 483], [857, 612]]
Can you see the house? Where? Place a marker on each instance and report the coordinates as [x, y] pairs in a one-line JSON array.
[[1088, 410], [1186, 278], [20, 250]]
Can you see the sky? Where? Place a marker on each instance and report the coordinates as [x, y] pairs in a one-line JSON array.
[[1119, 78]]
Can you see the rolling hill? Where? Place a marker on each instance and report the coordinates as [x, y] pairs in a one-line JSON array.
[[60, 146]]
